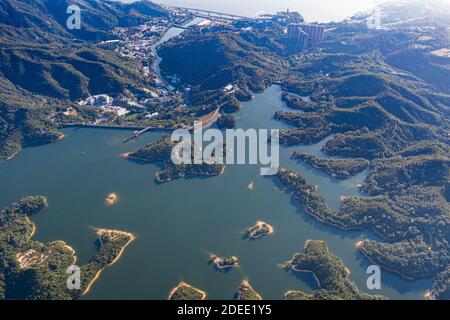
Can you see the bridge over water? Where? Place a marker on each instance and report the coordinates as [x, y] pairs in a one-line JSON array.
[[212, 15]]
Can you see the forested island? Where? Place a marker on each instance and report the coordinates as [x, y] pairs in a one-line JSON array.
[[37, 271]]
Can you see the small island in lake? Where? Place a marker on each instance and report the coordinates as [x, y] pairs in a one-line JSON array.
[[341, 169], [223, 263], [112, 199], [258, 230], [246, 292], [184, 291]]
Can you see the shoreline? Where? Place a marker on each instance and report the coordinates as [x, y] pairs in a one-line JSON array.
[[184, 284], [215, 259], [15, 153], [386, 268], [119, 255], [11, 156], [293, 268], [259, 225], [246, 284], [287, 293], [33, 229], [112, 199], [69, 248]]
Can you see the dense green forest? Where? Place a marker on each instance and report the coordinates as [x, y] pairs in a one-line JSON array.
[[330, 273], [38, 271]]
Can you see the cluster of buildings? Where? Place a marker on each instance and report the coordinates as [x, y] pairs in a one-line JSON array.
[[137, 42], [105, 103], [302, 35], [110, 108], [284, 17]]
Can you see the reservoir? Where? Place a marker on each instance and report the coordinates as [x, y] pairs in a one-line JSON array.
[[180, 223]]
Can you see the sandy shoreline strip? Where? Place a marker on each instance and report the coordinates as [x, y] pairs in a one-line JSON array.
[[69, 248], [184, 284], [245, 283], [97, 275], [33, 230], [11, 156]]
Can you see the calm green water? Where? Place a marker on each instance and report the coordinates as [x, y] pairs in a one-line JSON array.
[[178, 224]]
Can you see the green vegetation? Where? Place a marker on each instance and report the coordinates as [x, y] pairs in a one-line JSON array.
[[44, 70], [337, 168], [330, 273], [209, 62], [414, 221], [44, 18], [441, 286], [399, 173], [186, 292], [215, 60], [160, 153], [382, 94], [33, 270], [68, 73], [297, 295], [258, 230], [374, 109], [246, 292], [384, 99], [303, 104], [110, 244], [224, 263]]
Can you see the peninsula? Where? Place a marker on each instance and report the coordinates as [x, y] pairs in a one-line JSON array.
[[184, 291], [246, 292], [44, 265], [330, 273], [340, 169]]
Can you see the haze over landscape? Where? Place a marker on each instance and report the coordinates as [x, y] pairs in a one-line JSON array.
[[310, 9]]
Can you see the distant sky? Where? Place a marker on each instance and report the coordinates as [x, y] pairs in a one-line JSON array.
[[312, 10]]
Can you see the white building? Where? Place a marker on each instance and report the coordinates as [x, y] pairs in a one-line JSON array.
[[101, 99]]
